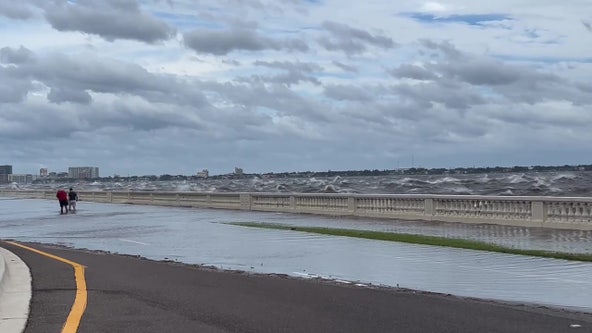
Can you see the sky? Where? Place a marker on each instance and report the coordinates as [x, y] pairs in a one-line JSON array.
[[152, 87]]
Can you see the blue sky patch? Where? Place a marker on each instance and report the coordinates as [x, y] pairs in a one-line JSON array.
[[470, 19]]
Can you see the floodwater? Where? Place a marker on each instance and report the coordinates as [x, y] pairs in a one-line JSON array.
[[203, 236]]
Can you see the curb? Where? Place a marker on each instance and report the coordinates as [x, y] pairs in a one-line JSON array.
[[2, 270], [15, 292]]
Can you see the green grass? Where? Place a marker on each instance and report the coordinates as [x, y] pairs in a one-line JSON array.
[[420, 239]]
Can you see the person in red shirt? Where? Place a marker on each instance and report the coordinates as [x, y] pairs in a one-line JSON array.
[[63, 198]]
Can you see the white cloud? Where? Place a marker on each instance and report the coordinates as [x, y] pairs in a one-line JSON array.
[[434, 7]]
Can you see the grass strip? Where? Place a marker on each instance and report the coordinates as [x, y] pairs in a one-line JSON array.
[[421, 239]]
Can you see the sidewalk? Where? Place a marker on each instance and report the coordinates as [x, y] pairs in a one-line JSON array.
[[15, 292]]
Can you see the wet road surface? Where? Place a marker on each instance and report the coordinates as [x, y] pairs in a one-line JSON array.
[[129, 294]]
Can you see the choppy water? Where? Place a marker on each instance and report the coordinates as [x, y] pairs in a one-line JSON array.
[[565, 184]]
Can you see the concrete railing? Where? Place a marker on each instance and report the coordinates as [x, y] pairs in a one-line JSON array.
[[548, 212]]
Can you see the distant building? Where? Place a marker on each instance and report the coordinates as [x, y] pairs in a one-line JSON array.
[[43, 172], [21, 179], [5, 170], [203, 173], [238, 171], [83, 172]]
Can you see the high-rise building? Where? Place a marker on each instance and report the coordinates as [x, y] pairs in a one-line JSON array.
[[5, 170], [43, 172], [83, 172], [203, 173]]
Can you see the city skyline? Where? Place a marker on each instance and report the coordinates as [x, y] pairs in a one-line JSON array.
[[174, 87], [7, 174]]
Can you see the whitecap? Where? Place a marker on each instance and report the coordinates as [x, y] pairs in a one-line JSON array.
[[460, 189], [329, 189], [566, 176], [514, 179], [484, 179], [445, 180], [540, 181], [183, 188]]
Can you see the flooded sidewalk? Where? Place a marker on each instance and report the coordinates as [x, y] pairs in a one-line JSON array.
[[205, 237]]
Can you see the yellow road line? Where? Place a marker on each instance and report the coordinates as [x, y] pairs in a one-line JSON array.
[[73, 320]]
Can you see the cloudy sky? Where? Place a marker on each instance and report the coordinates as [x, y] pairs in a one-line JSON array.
[[175, 86]]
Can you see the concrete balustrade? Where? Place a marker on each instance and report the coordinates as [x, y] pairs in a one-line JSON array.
[[548, 212]]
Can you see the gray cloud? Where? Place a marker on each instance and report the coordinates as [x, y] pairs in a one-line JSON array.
[[43, 122], [486, 72], [347, 93], [290, 66], [224, 42], [344, 67], [351, 40], [59, 95], [13, 87], [445, 47], [13, 92], [18, 10], [296, 72], [278, 98], [480, 70], [412, 72], [114, 94], [449, 93], [447, 65], [278, 103], [110, 19], [72, 76], [15, 56], [236, 39]]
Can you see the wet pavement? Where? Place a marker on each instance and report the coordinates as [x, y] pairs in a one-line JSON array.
[[202, 236]]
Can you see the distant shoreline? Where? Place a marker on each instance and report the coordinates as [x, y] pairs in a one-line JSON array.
[[330, 174]]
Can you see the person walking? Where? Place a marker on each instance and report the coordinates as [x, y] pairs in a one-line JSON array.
[[63, 199], [72, 199]]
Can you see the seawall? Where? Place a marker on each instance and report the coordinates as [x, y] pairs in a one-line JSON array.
[[546, 212]]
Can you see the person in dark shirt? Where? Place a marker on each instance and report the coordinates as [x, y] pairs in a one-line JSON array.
[[72, 199], [63, 199]]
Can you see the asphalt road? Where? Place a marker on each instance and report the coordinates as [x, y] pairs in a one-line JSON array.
[[130, 294]]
